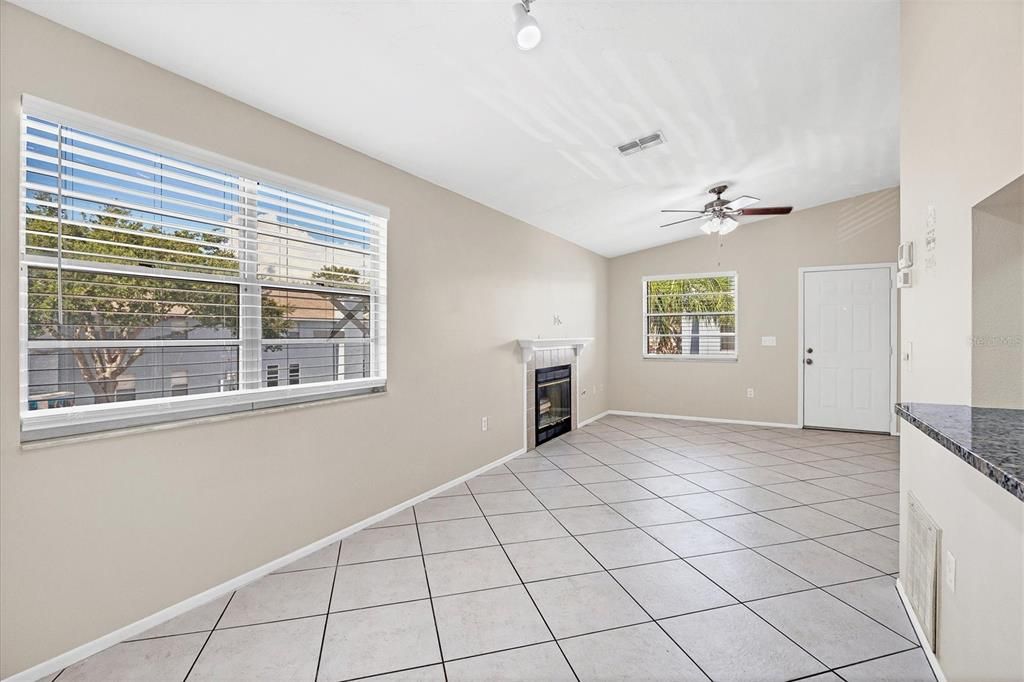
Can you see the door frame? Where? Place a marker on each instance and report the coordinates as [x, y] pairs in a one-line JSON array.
[[893, 422]]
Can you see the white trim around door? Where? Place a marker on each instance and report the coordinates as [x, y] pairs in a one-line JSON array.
[[893, 422]]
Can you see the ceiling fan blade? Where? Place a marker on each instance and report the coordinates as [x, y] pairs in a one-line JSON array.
[[678, 210], [768, 210], [684, 220], [741, 202]]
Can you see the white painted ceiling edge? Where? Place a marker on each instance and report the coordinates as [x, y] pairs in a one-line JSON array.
[[792, 102]]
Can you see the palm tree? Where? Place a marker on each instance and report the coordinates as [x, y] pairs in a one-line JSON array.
[[707, 300]]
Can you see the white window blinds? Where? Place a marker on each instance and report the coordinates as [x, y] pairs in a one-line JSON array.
[[691, 316], [155, 278]]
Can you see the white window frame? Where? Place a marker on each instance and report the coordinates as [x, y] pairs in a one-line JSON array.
[[43, 424], [733, 357]]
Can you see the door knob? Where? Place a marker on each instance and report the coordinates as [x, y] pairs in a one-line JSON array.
[[810, 350], [809, 361]]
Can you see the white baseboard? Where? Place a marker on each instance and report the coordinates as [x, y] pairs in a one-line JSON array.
[[79, 653], [592, 419], [919, 631], [775, 425]]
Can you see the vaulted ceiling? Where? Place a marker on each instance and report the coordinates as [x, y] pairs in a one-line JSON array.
[[793, 102]]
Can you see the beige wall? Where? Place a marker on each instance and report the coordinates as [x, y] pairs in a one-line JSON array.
[[962, 138], [766, 255], [97, 534], [997, 299]]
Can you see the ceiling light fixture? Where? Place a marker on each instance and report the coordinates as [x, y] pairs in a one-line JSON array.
[[526, 27], [727, 225], [721, 224]]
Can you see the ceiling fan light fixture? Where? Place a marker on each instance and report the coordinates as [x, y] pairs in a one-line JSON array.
[[727, 225], [527, 30], [709, 227]]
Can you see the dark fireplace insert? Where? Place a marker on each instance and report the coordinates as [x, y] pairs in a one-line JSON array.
[[553, 402]]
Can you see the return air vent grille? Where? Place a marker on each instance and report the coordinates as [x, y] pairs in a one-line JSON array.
[[640, 144], [919, 579]]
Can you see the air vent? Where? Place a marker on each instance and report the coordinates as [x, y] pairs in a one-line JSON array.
[[640, 144], [630, 148], [922, 557]]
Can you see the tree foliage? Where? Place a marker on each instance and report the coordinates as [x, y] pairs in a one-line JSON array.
[[98, 307], [677, 303]]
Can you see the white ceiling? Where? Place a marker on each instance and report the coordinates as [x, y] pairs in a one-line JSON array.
[[793, 102]]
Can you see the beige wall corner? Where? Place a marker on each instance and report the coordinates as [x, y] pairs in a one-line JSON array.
[[767, 256], [101, 532]]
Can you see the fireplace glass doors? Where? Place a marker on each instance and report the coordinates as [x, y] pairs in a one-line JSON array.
[[553, 402]]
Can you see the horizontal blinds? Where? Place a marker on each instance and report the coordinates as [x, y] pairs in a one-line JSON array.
[[692, 315], [151, 276]]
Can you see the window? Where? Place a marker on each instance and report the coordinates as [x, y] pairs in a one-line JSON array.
[[160, 281], [690, 316]]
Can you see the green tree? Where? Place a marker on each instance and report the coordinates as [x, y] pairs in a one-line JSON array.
[[99, 307], [337, 275], [704, 299]]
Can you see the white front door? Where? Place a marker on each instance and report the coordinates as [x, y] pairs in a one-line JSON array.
[[847, 353]]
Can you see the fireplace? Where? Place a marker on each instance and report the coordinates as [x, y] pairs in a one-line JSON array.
[[553, 402]]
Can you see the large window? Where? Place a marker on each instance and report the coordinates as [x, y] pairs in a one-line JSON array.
[[160, 282], [690, 316]]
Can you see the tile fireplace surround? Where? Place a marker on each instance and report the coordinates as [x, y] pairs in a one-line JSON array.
[[543, 353]]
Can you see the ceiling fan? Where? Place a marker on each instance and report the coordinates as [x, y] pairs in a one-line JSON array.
[[721, 214]]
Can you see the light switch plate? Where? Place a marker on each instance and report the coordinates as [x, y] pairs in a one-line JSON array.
[[767, 340], [949, 571]]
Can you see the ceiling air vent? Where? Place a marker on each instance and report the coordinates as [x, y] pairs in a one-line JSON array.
[[638, 145]]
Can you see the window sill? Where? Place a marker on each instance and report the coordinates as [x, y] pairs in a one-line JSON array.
[[46, 425], [691, 358]]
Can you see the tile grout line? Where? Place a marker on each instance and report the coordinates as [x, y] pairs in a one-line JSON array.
[[838, 669], [430, 594], [327, 616], [208, 636], [520, 577]]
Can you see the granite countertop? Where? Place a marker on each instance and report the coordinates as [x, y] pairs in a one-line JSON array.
[[989, 439]]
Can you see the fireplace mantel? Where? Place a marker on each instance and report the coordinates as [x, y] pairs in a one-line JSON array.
[[529, 346]]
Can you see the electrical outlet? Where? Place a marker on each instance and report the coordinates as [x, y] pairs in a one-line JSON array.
[[750, 393], [483, 423], [949, 571]]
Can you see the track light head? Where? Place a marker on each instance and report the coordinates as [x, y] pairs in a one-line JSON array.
[[527, 31]]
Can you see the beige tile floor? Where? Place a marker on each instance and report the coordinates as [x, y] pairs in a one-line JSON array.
[[631, 549]]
